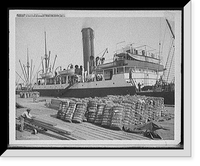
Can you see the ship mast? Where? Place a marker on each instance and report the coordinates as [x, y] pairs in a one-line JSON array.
[[27, 71], [28, 66], [47, 68], [46, 56]]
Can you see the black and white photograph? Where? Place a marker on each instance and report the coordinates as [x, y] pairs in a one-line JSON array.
[[94, 79]]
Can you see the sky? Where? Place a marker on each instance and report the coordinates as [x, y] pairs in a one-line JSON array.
[[64, 37]]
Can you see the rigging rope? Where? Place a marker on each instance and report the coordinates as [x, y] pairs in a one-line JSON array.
[[170, 48], [163, 39], [37, 71], [21, 77], [171, 63], [159, 37], [160, 50]]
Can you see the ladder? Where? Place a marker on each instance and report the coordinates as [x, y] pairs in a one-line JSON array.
[[132, 80], [67, 88]]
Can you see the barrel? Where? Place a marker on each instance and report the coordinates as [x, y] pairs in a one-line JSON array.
[[79, 113], [128, 116], [70, 111], [62, 109], [107, 113], [117, 117], [91, 111], [99, 113]]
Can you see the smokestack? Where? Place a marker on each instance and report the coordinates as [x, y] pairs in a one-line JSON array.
[[88, 48]]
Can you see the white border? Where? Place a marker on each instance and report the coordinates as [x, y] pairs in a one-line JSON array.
[[187, 78], [108, 143]]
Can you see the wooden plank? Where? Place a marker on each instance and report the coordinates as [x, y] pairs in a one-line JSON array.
[[118, 134], [44, 121], [55, 129], [40, 129], [89, 131], [109, 133], [90, 136], [51, 128], [85, 133]]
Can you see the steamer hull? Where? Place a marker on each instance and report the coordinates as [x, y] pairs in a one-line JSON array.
[[168, 96], [89, 92]]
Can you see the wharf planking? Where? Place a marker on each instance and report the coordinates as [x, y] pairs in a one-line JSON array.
[[45, 122], [119, 135], [88, 131], [46, 126]]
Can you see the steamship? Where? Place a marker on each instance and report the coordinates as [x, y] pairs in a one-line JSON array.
[[131, 68]]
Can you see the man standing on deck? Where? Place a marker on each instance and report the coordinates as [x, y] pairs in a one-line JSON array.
[[24, 115], [139, 87]]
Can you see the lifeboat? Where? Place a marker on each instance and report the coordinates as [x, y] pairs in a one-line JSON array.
[[46, 75], [67, 72]]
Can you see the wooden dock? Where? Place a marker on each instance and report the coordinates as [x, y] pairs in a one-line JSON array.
[[89, 131], [79, 131]]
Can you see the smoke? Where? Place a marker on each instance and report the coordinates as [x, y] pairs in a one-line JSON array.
[[91, 22]]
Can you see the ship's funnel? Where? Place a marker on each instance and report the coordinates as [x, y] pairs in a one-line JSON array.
[[88, 48]]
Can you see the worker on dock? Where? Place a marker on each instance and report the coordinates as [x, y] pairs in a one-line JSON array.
[[25, 114]]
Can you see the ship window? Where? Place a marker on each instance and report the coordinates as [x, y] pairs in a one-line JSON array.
[[63, 80], [58, 80], [119, 70], [50, 81], [100, 72], [127, 69], [115, 71], [108, 74]]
